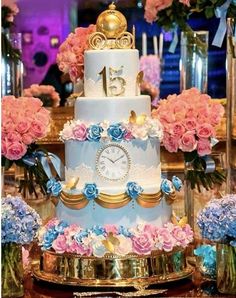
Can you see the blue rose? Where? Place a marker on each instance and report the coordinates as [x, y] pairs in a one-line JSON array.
[[133, 190], [48, 238], [124, 231], [177, 183], [167, 187], [116, 132], [61, 227], [54, 187], [79, 236], [98, 230], [90, 191], [94, 132]]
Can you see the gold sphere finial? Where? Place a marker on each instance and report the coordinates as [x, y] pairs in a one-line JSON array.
[[111, 22]]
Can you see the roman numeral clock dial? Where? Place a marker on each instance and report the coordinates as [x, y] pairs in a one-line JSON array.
[[113, 162]]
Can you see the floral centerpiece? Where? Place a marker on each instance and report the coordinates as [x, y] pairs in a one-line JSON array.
[[19, 226], [70, 57], [189, 121], [24, 121], [46, 93], [217, 222], [61, 237]]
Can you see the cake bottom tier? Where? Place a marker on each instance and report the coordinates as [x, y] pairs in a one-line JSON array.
[[112, 270]]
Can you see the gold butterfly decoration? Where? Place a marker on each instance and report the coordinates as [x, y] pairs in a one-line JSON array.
[[182, 222], [139, 78], [111, 242], [134, 119], [71, 184]]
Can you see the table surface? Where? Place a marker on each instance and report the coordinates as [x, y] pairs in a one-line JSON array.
[[191, 287]]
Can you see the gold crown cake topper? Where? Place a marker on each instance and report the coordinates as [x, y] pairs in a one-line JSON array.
[[111, 31]]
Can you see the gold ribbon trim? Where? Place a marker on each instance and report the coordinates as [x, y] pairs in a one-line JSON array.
[[115, 201]]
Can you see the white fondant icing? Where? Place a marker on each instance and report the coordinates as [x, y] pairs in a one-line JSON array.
[[128, 216], [92, 109], [127, 61]]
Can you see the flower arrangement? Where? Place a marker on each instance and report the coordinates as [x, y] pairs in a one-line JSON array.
[[138, 127], [70, 57], [24, 121], [217, 221], [189, 120], [46, 93], [61, 237], [19, 226]]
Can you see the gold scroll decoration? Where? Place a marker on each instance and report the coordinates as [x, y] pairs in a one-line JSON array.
[[79, 201]]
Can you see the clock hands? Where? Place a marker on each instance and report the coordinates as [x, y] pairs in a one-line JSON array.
[[108, 159], [114, 161]]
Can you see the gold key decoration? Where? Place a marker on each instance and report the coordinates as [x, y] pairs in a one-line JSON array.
[[111, 31]]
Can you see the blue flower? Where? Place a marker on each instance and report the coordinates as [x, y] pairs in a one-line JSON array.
[[116, 132], [133, 190], [94, 132], [208, 256], [124, 231], [48, 238], [167, 187], [98, 230], [79, 236], [90, 191], [177, 183], [54, 187], [61, 227]]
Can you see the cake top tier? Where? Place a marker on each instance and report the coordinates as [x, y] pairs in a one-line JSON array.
[[111, 31]]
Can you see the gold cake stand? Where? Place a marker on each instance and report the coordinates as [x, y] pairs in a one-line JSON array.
[[114, 271]]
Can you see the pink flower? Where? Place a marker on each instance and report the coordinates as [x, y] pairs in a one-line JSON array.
[[153, 6], [180, 236], [188, 233], [204, 147], [188, 142], [23, 126], [177, 129], [164, 240], [59, 244], [27, 139], [185, 2], [128, 135], [80, 132], [15, 150], [151, 230], [142, 244], [25, 258], [52, 223], [205, 130], [37, 129], [124, 247], [13, 137], [111, 229], [190, 123], [170, 142]]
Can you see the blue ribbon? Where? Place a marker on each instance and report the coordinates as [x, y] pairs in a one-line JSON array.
[[210, 164], [46, 159], [174, 42], [221, 13]]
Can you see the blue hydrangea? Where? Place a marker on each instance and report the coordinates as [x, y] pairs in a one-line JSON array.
[[124, 231], [116, 132], [177, 183], [133, 190], [19, 222], [167, 187], [48, 238], [208, 255], [98, 230], [94, 132], [54, 187], [90, 191]]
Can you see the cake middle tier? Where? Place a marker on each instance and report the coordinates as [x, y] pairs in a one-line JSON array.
[[112, 109], [111, 165]]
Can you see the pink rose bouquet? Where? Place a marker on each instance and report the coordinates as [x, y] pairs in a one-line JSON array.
[[24, 121], [189, 120], [46, 93], [70, 57]]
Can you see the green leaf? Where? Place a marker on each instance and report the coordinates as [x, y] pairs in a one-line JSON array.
[[209, 12]]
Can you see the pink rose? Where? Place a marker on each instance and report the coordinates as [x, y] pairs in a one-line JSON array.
[[23, 126], [203, 147], [84, 250], [80, 132], [15, 150], [190, 123], [142, 244], [205, 130], [4, 147], [128, 135], [164, 240], [179, 235], [27, 139], [37, 129], [188, 232], [14, 137], [170, 142], [177, 129], [59, 244], [52, 223], [151, 230], [188, 142], [111, 229]]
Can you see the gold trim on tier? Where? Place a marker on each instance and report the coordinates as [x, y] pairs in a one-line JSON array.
[[112, 270], [79, 201]]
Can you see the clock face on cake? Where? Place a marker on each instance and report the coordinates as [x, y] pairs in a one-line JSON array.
[[113, 162]]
